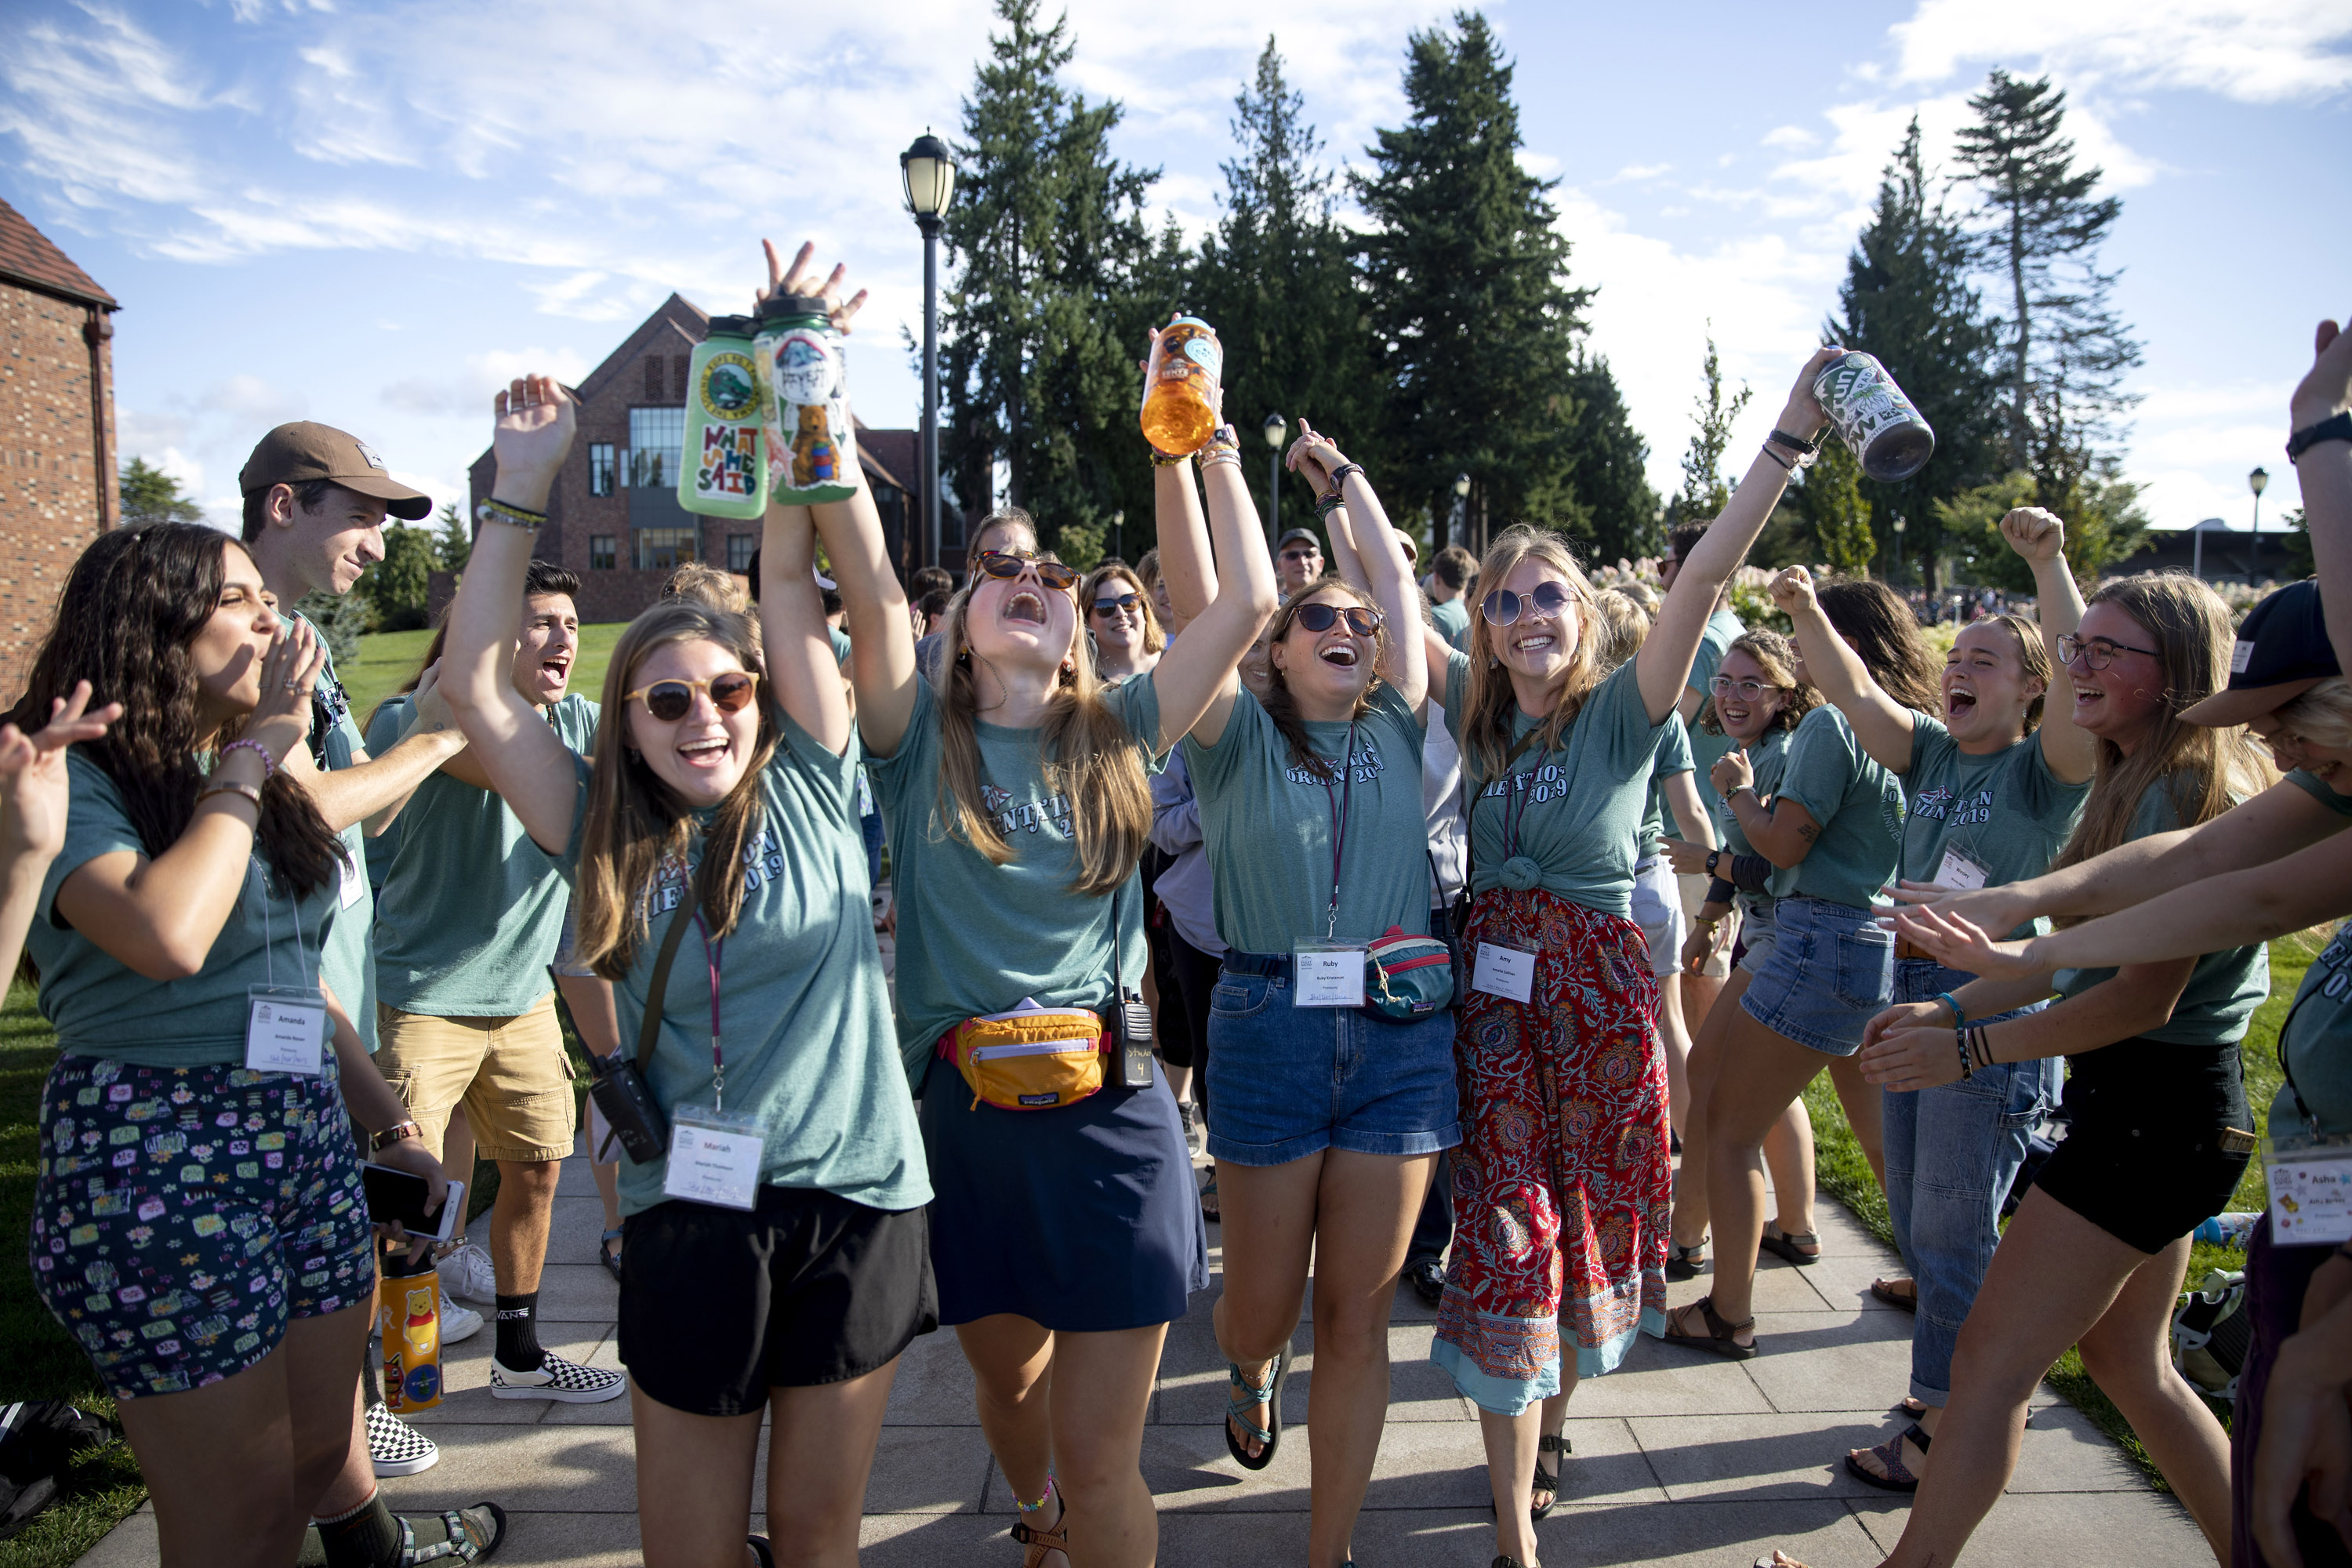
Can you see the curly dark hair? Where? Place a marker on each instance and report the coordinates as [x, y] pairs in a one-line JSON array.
[[133, 604]]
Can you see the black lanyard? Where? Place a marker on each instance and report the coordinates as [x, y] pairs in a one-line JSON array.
[[1341, 808]]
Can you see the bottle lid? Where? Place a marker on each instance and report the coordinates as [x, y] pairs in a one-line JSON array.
[[732, 326], [776, 305]]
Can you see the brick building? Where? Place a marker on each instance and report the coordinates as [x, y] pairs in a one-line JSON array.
[[613, 517], [57, 486]]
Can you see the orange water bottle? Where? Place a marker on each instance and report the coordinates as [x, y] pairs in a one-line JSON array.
[[409, 1311], [1179, 386]]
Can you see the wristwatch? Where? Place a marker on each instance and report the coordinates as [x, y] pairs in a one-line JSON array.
[[2339, 428], [1712, 857]]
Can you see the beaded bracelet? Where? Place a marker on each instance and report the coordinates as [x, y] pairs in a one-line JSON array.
[[1160, 459], [269, 762], [1960, 1044], [512, 516], [1329, 502]]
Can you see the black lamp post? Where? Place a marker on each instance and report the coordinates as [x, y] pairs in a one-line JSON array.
[[1276, 428], [1461, 510], [1898, 547], [928, 174], [1118, 534], [2254, 482]]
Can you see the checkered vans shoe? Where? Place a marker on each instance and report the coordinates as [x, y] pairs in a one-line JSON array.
[[564, 1380], [396, 1448]]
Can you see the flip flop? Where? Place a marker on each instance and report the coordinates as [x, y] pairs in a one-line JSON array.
[[1896, 1298]]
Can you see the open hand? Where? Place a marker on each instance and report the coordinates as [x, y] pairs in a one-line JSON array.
[[33, 787], [1907, 1016], [2035, 534], [1906, 1060], [2000, 907], [1793, 591], [536, 420], [2326, 389], [1697, 947], [801, 278], [289, 672], [1957, 942]]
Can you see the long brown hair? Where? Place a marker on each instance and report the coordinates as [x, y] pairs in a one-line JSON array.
[[1778, 660], [1489, 699], [132, 607], [1282, 707], [1154, 640], [634, 824], [2202, 767], [1886, 635], [1087, 753]]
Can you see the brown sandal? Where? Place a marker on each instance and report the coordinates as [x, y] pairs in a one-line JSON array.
[[1037, 1541], [1720, 1336]]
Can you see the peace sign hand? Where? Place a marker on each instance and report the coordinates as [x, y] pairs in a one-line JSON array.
[[801, 278]]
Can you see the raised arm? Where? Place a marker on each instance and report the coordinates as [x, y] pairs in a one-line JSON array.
[[1184, 540], [373, 790], [1664, 665], [2071, 751], [1882, 724], [1359, 524], [1195, 680], [526, 761], [802, 671], [34, 792], [2325, 471], [1349, 566]]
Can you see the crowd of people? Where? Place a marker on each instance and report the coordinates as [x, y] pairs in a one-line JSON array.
[[1480, 928]]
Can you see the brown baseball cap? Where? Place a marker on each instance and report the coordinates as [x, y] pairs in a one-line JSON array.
[[304, 451]]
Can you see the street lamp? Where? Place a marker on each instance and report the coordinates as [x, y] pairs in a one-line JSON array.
[[1898, 545], [1461, 507], [1276, 428], [927, 172], [2254, 482], [1117, 532]]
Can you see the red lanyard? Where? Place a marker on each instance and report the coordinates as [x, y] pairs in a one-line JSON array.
[[713, 954], [1339, 811]]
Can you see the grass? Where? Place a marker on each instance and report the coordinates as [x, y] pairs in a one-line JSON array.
[[1842, 1172], [387, 660]]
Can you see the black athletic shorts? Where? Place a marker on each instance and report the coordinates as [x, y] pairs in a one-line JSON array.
[[718, 1305], [2142, 1158]]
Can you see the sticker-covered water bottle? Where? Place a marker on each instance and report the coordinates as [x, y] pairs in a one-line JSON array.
[[812, 441], [1876, 419], [408, 1314], [723, 469], [1179, 386]]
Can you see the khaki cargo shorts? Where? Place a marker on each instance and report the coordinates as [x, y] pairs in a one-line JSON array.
[[510, 1073], [1718, 960]]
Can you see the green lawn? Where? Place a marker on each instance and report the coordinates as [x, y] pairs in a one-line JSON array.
[[388, 659]]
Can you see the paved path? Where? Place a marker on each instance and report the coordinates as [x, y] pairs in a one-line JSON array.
[[1679, 1459]]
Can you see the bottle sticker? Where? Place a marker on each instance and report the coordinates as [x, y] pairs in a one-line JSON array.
[[2311, 1190], [1202, 351], [805, 368], [730, 386], [728, 466], [714, 1157], [285, 1029], [1958, 871], [1328, 977], [1505, 971]]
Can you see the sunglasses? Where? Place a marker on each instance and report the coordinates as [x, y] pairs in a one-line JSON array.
[[1300, 555], [1107, 608], [1053, 574], [671, 701], [1317, 617], [2097, 652], [1502, 607]]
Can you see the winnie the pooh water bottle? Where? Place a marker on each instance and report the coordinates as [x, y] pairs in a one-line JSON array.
[[408, 1313], [1179, 386], [812, 439], [723, 471]]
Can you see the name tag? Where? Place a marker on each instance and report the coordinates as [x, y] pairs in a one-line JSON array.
[[355, 880], [714, 1157], [1507, 971], [2311, 1190], [1958, 871], [1328, 977], [285, 1029]]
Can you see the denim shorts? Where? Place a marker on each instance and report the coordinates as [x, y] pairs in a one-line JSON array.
[[1830, 973], [1292, 1081], [1758, 934]]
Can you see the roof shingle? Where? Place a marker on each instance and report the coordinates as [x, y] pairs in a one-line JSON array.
[[26, 256]]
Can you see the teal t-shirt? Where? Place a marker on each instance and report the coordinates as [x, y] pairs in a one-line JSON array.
[[348, 968], [1575, 811], [1453, 618], [2006, 812], [840, 643], [101, 1006], [1770, 759], [1855, 802], [976, 938], [2317, 1039], [1723, 629], [1673, 757], [2224, 988], [471, 910], [803, 1014], [1268, 826]]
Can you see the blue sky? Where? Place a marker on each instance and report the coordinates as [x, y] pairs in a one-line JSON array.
[[371, 214]]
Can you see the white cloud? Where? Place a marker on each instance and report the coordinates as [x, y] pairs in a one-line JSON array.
[[467, 397], [1642, 172], [2258, 51]]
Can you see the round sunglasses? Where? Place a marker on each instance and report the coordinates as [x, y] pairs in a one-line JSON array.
[[1107, 608], [1011, 564], [1502, 607], [671, 701], [1317, 617]]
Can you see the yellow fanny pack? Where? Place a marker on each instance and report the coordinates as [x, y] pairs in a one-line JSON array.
[[1032, 1058]]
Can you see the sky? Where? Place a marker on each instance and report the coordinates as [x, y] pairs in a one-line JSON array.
[[372, 214]]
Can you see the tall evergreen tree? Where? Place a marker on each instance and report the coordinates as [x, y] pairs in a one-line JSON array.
[[1907, 300], [1475, 325], [1704, 490], [1042, 326], [151, 495], [454, 546], [1616, 506], [1832, 502]]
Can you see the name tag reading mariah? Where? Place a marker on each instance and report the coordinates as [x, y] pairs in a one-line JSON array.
[[284, 1029], [1958, 871], [2311, 1189], [714, 1157], [1328, 977], [1505, 971]]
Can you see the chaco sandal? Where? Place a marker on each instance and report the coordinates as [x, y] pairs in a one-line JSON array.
[[1898, 1477], [1684, 1262], [1721, 1336], [1244, 1395], [1791, 1244]]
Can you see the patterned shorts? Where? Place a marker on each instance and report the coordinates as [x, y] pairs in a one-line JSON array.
[[184, 1215]]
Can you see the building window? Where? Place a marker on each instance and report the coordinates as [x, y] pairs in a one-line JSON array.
[[739, 551], [600, 468], [602, 554], [662, 549], [653, 375], [655, 435], [680, 366]]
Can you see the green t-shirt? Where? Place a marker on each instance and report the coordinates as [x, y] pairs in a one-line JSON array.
[[348, 968], [976, 938], [840, 643], [2317, 1038], [2224, 988], [1770, 759], [99, 1006], [1453, 618], [471, 910], [1855, 802], [1577, 810], [1723, 629], [1268, 826], [804, 1012], [2007, 812], [1673, 757]]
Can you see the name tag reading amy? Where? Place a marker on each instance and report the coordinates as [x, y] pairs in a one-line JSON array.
[[714, 1157], [1328, 977], [2311, 1190], [1958, 871], [285, 1029], [1505, 971]]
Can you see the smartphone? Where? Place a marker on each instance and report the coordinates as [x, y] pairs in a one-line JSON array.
[[398, 1194]]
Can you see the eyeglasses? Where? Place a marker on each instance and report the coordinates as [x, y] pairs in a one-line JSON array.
[[1502, 607], [2097, 652], [671, 701], [1053, 574], [1746, 690], [1317, 617], [1107, 608]]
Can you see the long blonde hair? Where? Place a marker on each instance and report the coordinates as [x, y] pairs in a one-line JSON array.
[[2321, 716], [1490, 701], [635, 824], [2202, 767], [1088, 756]]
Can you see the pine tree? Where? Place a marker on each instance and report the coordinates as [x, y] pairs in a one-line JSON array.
[[1617, 509], [1705, 492], [151, 495], [454, 545], [399, 586], [1476, 328], [1831, 501], [1906, 300]]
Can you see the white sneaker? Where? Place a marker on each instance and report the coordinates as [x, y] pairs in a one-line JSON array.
[[466, 1274], [396, 1448], [566, 1381], [458, 1323]]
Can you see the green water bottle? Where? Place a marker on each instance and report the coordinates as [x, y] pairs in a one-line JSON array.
[[812, 440], [723, 470]]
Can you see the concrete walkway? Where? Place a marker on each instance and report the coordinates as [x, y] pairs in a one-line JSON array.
[[1679, 1459]]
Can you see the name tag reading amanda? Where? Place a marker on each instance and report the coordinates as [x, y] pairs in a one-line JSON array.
[[285, 1029], [1505, 971], [1958, 871], [714, 1157], [1328, 977]]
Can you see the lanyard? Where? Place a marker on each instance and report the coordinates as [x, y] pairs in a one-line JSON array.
[[1510, 829], [713, 954], [268, 964], [1340, 807]]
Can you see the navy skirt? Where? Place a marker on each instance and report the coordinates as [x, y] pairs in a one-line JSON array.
[[1083, 1218]]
